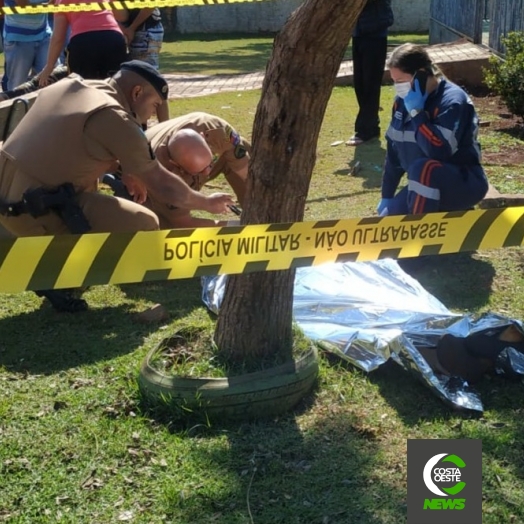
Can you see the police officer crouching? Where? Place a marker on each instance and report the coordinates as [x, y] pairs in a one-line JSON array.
[[76, 131]]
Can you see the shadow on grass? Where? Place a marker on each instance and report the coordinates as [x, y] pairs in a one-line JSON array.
[[44, 341], [180, 297], [171, 36], [502, 400], [246, 59], [276, 472], [342, 196], [461, 281], [517, 131], [369, 157], [409, 397]]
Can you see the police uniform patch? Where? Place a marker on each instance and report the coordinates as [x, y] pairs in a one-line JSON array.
[[240, 151], [234, 137]]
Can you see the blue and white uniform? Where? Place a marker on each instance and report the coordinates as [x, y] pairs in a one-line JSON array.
[[439, 151]]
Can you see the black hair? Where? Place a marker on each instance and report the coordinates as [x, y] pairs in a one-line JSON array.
[[410, 58]]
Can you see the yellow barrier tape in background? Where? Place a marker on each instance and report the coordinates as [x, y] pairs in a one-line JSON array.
[[65, 261], [100, 6]]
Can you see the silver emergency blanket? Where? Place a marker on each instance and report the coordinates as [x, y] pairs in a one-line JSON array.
[[370, 312]]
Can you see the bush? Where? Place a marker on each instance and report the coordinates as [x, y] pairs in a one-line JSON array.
[[506, 77]]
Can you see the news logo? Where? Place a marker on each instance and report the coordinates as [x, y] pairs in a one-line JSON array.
[[444, 481]]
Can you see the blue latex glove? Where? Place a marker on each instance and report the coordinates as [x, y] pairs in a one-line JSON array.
[[415, 99], [383, 205]]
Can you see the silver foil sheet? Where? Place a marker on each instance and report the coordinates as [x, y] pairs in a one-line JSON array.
[[370, 312]]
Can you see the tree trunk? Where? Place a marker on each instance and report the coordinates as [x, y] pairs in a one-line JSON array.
[[255, 320]]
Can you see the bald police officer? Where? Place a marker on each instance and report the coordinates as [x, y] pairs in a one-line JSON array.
[[198, 147], [76, 131]]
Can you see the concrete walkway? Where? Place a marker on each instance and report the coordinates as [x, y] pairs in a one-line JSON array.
[[460, 61]]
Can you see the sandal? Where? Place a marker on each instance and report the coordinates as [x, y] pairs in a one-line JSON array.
[[354, 141]]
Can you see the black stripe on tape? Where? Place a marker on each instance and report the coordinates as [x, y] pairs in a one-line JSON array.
[[412, 218], [322, 224], [252, 267], [475, 235], [180, 233], [302, 262], [156, 274], [207, 271], [516, 234], [231, 230], [390, 253], [369, 220], [5, 246], [286, 226], [348, 257], [433, 249], [456, 214], [52, 262], [107, 258]]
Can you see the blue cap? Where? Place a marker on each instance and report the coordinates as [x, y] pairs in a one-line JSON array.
[[148, 73]]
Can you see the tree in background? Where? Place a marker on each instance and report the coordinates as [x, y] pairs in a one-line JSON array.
[[255, 320]]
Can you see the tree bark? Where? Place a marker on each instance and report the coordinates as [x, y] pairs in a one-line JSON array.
[[255, 320]]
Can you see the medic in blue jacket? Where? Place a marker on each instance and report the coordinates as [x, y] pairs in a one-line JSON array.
[[432, 138]]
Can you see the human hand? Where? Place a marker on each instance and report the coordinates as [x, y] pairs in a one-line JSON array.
[[43, 78], [129, 34], [415, 99], [136, 188], [218, 203], [382, 207]]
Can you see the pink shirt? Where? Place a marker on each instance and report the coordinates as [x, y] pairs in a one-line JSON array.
[[91, 20]]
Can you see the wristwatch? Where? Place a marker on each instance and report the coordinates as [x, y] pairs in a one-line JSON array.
[[414, 112]]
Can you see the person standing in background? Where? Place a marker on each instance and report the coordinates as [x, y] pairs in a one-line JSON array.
[[26, 43], [144, 35], [369, 45], [96, 47]]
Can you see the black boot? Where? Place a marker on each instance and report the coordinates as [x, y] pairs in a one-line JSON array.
[[63, 300]]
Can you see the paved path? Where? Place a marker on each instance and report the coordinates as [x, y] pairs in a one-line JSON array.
[[445, 55]]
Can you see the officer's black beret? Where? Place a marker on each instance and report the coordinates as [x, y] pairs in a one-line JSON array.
[[149, 73]]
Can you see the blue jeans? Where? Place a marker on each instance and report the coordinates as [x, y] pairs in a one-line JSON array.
[[146, 45], [24, 59]]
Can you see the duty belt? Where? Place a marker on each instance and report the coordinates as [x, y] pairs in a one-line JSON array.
[[40, 201]]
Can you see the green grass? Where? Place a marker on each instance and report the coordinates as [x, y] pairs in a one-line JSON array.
[[214, 54], [211, 54], [75, 446]]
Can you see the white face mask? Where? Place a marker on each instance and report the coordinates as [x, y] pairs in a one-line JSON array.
[[402, 89]]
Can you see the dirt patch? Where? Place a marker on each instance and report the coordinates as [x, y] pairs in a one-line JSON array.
[[495, 117]]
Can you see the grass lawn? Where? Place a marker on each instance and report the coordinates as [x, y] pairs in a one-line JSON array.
[[77, 448], [210, 54]]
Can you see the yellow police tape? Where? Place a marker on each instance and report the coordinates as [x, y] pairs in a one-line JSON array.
[[100, 6], [66, 261]]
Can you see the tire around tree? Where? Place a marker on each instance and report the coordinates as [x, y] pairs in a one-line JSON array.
[[261, 394]]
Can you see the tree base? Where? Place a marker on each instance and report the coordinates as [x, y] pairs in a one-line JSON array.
[[262, 394]]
